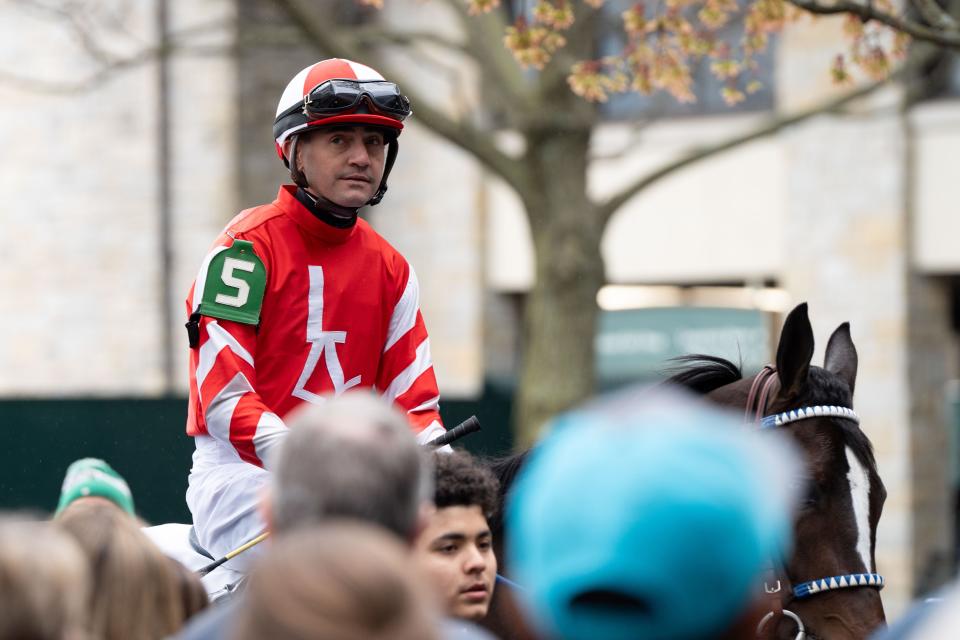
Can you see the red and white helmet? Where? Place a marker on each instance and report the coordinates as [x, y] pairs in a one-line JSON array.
[[292, 112]]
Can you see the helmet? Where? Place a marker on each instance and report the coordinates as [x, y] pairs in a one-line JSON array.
[[339, 91]]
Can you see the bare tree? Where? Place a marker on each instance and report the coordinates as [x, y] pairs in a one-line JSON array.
[[549, 176]]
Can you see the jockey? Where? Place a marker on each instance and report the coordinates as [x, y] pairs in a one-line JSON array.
[[300, 299]]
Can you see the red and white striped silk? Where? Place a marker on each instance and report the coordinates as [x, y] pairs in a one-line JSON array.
[[341, 310]]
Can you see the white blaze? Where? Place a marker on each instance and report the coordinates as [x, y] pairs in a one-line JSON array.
[[860, 496]]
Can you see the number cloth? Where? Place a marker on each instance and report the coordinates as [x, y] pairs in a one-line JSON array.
[[338, 309]]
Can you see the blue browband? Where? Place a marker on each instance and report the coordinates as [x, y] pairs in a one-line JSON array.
[[780, 419], [813, 587]]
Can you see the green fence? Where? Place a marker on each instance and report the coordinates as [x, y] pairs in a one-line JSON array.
[[144, 440]]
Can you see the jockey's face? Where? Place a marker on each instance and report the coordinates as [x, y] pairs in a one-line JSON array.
[[342, 164], [455, 553]]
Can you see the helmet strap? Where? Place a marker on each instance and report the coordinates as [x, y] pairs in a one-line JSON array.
[[330, 212], [392, 150], [295, 174]]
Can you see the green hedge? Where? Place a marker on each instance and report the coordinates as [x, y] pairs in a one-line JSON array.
[[144, 440]]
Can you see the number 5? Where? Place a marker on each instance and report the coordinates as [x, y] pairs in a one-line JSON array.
[[243, 289]]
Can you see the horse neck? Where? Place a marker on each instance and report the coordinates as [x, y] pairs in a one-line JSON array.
[[733, 395]]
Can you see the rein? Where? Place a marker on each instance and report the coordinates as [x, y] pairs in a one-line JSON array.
[[757, 400]]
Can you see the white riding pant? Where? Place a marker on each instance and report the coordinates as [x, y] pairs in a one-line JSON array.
[[224, 495]]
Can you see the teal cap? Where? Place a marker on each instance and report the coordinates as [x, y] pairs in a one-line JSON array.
[[94, 477], [648, 516]]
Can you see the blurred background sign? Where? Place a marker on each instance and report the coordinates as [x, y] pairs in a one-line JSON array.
[[636, 344]]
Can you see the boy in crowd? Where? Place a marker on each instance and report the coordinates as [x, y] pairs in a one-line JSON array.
[[455, 550]]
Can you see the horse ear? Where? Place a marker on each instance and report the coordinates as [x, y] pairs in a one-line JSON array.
[[795, 351], [841, 356]]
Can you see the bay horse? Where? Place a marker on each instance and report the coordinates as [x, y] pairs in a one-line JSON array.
[[828, 587]]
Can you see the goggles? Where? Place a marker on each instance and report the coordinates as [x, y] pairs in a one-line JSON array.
[[331, 97]]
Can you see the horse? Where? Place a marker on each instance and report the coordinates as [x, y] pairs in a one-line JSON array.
[[828, 587]]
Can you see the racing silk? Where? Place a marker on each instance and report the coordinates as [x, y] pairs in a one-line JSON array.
[[340, 310]]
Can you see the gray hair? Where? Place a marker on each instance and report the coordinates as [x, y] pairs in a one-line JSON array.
[[354, 456]]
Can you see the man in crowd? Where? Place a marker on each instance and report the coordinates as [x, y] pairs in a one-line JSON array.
[[455, 549], [300, 299]]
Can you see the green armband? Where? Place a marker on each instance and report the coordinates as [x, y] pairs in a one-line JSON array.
[[233, 289]]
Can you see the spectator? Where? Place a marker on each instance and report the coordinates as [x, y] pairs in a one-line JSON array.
[[350, 458], [193, 596], [93, 480], [342, 581], [44, 582], [136, 592], [455, 550], [649, 519]]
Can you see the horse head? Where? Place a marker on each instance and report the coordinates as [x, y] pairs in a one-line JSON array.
[[829, 581]]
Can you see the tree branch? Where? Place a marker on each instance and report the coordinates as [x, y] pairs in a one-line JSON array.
[[107, 69], [462, 134], [485, 34], [934, 14], [610, 206], [371, 34], [941, 36]]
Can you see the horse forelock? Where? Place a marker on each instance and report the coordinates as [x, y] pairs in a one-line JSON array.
[[826, 389]]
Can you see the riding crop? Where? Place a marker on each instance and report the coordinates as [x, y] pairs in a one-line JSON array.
[[465, 428]]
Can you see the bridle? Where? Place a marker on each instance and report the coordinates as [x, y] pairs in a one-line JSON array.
[[754, 411]]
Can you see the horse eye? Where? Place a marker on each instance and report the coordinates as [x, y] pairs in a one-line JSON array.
[[811, 497]]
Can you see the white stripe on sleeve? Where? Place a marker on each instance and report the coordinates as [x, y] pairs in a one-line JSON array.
[[271, 431], [221, 408], [408, 376], [430, 405], [218, 338], [405, 313], [431, 432]]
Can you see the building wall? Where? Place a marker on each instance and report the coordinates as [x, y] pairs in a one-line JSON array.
[[78, 210], [79, 201]]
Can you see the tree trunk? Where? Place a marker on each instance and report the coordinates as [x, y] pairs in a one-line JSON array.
[[557, 370]]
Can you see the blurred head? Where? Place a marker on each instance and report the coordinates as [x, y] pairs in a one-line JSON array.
[[193, 595], [354, 457], [93, 480], [347, 581], [455, 549], [44, 583], [648, 518], [136, 592]]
